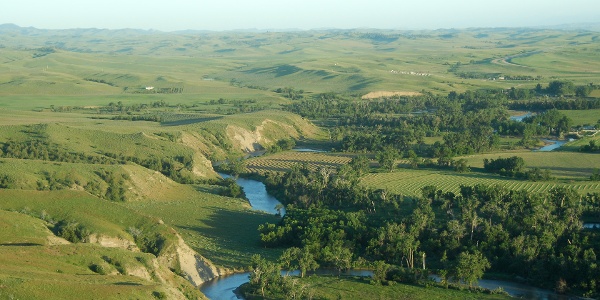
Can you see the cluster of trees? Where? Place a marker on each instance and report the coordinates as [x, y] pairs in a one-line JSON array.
[[100, 81], [129, 117], [563, 104], [239, 106], [282, 145], [266, 281], [538, 236], [514, 167], [550, 122], [71, 231], [114, 188], [178, 167], [231, 188], [6, 181], [591, 147], [42, 149], [290, 93], [113, 107], [555, 88], [469, 122]]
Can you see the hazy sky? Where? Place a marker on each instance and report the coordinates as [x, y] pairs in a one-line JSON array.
[[302, 14]]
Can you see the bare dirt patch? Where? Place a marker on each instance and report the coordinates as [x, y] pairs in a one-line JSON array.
[[380, 94]]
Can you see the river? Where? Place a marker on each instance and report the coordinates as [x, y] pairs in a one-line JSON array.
[[552, 144], [257, 195], [223, 287]]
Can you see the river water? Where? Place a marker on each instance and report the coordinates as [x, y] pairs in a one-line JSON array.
[[257, 195], [552, 144]]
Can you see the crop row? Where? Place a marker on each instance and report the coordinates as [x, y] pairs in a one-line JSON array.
[[409, 183]]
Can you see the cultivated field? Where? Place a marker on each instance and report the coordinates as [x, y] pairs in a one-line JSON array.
[[283, 162], [410, 182]]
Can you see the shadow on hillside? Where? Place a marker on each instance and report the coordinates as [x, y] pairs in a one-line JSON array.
[[361, 83], [234, 233], [279, 71], [189, 121], [127, 283], [21, 244]]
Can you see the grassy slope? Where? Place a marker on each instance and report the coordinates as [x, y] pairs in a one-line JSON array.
[[34, 267]]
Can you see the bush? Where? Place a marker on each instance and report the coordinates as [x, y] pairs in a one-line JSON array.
[[98, 269], [72, 231]]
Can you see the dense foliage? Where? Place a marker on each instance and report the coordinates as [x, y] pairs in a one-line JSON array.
[[537, 236], [469, 122]]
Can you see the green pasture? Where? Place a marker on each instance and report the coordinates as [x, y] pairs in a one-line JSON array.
[[562, 164], [333, 287], [583, 117]]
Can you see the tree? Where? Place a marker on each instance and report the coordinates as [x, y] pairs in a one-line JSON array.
[[289, 258], [264, 274], [306, 261], [380, 269], [231, 188], [412, 158], [470, 267], [360, 164], [461, 166], [279, 207], [387, 158]]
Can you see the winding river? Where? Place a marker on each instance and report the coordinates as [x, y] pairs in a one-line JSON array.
[[257, 195], [223, 287]]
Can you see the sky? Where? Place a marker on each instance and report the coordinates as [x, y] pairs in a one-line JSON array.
[[222, 15]]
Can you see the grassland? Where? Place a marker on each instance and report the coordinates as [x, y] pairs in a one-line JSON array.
[[220, 100], [583, 117], [36, 264], [248, 66]]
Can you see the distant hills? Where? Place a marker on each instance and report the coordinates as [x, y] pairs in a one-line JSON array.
[[10, 27]]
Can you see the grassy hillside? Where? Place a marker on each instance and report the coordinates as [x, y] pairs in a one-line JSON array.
[[209, 66], [37, 264]]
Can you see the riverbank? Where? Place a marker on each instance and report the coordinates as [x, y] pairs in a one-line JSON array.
[[356, 287]]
